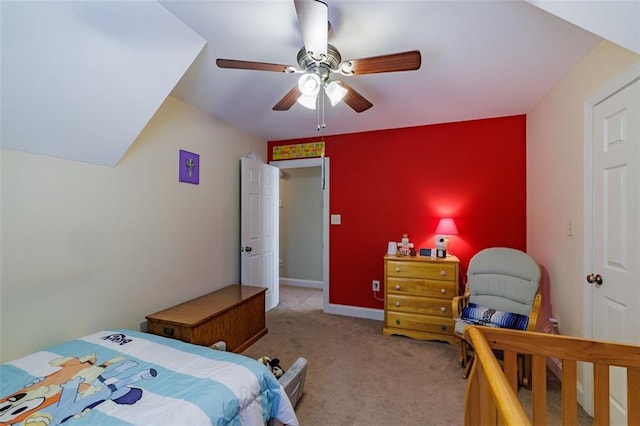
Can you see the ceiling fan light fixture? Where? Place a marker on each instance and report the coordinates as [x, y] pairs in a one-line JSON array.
[[309, 84], [307, 101], [335, 92]]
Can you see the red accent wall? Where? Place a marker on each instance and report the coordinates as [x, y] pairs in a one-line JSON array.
[[389, 182]]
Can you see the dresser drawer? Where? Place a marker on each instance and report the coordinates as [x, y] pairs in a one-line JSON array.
[[418, 322], [419, 305], [429, 270], [419, 287]]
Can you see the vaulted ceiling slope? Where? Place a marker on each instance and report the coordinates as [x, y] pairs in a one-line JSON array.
[[81, 79]]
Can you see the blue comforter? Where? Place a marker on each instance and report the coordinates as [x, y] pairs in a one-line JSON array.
[[125, 377]]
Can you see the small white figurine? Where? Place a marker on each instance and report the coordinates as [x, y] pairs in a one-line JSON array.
[[404, 246]]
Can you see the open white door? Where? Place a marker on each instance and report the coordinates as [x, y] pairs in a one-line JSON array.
[[259, 193]]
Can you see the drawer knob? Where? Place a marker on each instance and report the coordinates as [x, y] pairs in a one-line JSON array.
[[397, 269], [443, 290], [443, 309], [397, 303], [398, 322], [443, 327], [443, 273], [397, 286]]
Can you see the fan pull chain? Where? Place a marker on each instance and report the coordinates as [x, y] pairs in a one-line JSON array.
[[321, 123], [318, 113]]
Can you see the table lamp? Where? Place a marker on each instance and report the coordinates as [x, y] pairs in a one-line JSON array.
[[446, 227]]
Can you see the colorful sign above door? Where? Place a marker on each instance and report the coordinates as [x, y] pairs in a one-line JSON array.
[[301, 150]]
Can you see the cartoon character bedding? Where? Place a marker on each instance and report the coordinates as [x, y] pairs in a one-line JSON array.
[[127, 377]]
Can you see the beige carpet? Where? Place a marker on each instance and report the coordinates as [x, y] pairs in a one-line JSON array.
[[357, 376]]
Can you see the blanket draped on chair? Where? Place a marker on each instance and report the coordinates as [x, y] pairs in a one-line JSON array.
[[481, 315]]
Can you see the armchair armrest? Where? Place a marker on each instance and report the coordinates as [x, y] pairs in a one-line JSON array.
[[535, 310], [458, 303]]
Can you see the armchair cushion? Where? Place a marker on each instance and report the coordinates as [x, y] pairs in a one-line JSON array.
[[481, 315], [504, 279]]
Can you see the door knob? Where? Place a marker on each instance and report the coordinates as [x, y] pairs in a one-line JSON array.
[[597, 279], [247, 249]]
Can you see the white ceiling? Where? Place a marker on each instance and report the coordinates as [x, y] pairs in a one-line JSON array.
[[81, 79], [479, 59]]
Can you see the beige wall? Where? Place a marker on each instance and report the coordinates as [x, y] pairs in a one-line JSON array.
[[555, 183], [555, 174], [86, 247]]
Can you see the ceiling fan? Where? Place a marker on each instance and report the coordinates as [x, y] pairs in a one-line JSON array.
[[318, 61]]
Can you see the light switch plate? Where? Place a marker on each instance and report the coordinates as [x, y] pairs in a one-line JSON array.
[[336, 219]]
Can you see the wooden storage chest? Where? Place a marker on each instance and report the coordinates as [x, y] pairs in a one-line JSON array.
[[234, 314]]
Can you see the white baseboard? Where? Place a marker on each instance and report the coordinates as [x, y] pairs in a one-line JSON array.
[[580, 396], [295, 282], [335, 309], [354, 311]]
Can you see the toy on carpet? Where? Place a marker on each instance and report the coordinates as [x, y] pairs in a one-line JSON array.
[[273, 364]]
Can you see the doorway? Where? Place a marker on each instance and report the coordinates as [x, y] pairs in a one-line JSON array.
[[316, 172]]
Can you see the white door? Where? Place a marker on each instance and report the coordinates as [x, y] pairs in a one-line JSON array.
[[613, 281], [259, 228]]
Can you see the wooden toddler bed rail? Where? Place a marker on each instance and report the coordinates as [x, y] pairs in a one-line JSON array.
[[492, 385]]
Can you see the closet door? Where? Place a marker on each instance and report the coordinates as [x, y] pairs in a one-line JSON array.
[[613, 281]]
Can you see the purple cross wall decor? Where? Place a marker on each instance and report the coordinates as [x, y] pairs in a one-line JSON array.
[[189, 167]]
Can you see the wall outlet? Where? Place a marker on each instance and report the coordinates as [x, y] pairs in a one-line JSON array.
[[375, 285]]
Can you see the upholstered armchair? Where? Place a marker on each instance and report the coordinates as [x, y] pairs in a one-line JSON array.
[[502, 290]]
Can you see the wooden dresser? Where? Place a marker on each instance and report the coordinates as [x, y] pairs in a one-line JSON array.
[[234, 314], [417, 297]]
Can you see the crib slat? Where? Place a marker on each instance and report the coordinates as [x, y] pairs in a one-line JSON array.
[[488, 386], [600, 394], [539, 389], [569, 392], [601, 355], [511, 369], [633, 396]]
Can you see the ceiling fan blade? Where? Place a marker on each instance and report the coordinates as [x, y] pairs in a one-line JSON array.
[[355, 100], [258, 66], [288, 100], [313, 16], [405, 61]]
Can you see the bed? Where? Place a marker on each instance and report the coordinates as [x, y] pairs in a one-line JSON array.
[[128, 377]]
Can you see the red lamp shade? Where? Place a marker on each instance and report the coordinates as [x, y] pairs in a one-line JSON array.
[[447, 226]]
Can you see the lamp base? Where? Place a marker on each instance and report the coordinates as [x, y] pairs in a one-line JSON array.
[[442, 242]]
